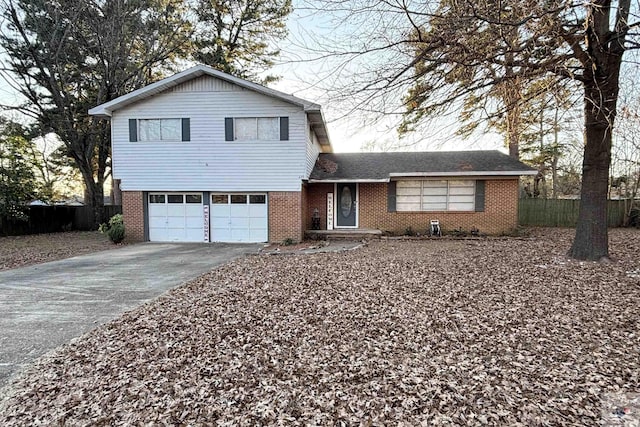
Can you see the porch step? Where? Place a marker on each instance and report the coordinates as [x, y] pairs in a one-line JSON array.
[[356, 234]]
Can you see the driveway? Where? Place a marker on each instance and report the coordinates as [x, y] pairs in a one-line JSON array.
[[46, 305]]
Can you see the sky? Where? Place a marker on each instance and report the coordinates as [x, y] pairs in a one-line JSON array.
[[352, 131]]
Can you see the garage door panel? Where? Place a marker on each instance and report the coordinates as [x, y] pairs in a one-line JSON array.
[[156, 234], [239, 217], [157, 222], [177, 221], [240, 234], [193, 210], [238, 222], [176, 210], [221, 234], [193, 222], [256, 223], [194, 234], [239, 210], [258, 211], [258, 235], [156, 209]]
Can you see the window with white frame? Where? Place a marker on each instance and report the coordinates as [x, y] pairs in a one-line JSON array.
[[432, 195], [257, 128], [160, 130]]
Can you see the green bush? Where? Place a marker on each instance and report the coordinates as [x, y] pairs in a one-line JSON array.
[[116, 220], [114, 228], [116, 233], [288, 242]]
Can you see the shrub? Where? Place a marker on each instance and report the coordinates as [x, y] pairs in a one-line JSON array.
[[114, 228], [116, 233], [116, 220], [288, 242]]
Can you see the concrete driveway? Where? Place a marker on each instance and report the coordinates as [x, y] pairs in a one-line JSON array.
[[46, 305]]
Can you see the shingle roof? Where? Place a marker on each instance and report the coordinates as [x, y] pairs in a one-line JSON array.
[[333, 167]]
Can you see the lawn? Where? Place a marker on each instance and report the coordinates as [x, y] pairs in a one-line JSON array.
[[21, 251], [437, 332]]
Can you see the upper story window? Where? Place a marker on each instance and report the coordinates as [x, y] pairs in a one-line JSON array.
[[150, 130], [431, 195], [160, 130], [257, 128]]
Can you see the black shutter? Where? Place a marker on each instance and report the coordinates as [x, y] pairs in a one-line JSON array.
[[133, 130], [186, 129], [391, 196], [284, 128], [228, 129], [480, 196]]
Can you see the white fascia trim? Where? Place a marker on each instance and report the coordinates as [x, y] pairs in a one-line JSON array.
[[106, 109], [468, 173], [334, 181]]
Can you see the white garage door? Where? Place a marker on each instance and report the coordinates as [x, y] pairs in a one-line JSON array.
[[239, 218], [176, 217]]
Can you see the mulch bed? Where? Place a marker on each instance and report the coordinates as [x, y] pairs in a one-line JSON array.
[[471, 332]]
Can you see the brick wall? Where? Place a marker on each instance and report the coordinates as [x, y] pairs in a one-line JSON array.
[[317, 198], [500, 215], [133, 214], [285, 216]]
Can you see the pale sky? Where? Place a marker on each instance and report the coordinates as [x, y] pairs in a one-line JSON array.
[[349, 131], [352, 131]]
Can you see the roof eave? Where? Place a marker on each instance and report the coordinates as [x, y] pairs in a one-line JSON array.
[[339, 180], [107, 109], [463, 173]]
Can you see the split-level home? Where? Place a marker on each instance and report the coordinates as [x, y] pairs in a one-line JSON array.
[[203, 156]]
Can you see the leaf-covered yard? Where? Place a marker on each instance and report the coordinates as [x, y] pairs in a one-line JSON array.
[[441, 332], [21, 251]]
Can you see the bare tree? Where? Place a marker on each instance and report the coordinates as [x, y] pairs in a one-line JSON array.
[[445, 53], [66, 57]]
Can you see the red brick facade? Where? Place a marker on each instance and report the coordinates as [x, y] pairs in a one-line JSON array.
[[290, 212], [500, 214], [133, 214], [285, 215]]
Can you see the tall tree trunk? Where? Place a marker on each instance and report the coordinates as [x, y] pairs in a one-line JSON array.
[[93, 195], [592, 240], [555, 156]]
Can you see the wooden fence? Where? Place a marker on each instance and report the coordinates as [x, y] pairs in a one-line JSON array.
[[53, 219], [563, 213]]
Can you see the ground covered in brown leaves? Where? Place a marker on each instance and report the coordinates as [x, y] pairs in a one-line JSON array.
[[20, 251], [439, 332]]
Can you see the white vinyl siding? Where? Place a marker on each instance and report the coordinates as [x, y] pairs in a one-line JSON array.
[[432, 195], [313, 150], [208, 162]]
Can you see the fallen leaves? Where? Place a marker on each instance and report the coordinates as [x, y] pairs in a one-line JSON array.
[[21, 251], [437, 332]]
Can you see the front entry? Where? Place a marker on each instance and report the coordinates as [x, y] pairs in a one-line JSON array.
[[346, 206]]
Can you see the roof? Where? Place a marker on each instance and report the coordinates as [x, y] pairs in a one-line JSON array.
[[313, 110], [382, 167]]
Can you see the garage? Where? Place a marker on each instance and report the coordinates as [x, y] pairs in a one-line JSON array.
[[176, 217], [239, 218]]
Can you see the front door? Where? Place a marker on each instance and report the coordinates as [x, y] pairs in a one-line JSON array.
[[346, 208]]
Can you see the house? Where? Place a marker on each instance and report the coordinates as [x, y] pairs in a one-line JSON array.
[[205, 156]]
